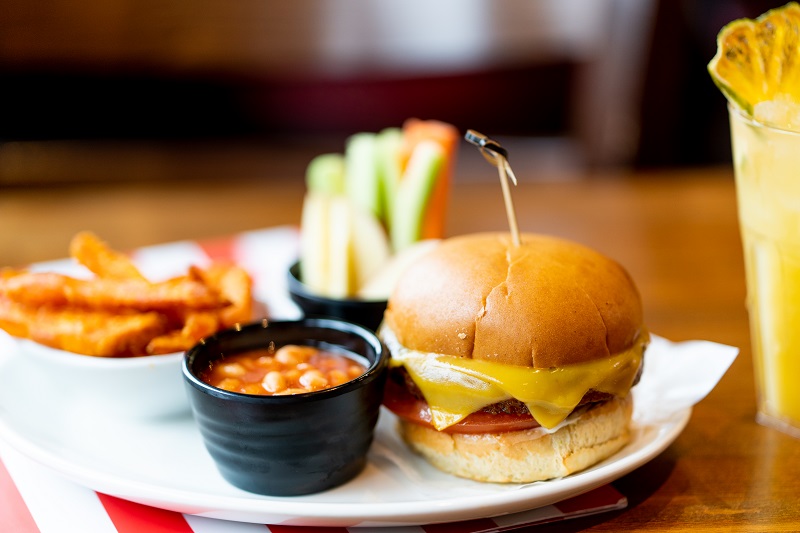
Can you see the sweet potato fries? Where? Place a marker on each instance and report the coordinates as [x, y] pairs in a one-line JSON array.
[[118, 312]]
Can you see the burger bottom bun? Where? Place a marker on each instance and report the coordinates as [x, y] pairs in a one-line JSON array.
[[529, 455]]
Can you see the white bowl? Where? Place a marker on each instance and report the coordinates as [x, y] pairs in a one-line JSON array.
[[131, 387]]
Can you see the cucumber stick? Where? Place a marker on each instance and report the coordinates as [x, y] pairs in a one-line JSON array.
[[414, 193], [325, 174], [361, 173], [361, 206], [389, 145]]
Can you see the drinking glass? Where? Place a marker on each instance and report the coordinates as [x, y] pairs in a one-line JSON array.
[[766, 164]]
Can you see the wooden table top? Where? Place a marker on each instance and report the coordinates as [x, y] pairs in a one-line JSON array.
[[675, 231]]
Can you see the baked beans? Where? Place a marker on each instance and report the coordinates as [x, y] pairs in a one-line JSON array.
[[290, 369]]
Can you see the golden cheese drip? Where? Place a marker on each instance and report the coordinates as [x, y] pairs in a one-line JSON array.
[[456, 387]]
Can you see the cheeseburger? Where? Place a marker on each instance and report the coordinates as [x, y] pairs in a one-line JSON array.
[[513, 363]]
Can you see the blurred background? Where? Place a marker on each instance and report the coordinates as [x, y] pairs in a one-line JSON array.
[[194, 85]]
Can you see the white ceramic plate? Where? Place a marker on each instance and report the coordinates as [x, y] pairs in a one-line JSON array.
[[163, 463]]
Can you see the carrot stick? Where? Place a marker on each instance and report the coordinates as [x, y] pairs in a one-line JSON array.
[[447, 136]]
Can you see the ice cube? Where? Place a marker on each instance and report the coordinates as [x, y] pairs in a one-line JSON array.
[[780, 112]]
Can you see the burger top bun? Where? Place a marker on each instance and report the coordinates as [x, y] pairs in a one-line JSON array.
[[546, 303]]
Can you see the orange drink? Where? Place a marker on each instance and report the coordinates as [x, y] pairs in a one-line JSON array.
[[767, 168], [757, 68]]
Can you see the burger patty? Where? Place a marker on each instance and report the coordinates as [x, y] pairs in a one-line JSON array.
[[400, 376]]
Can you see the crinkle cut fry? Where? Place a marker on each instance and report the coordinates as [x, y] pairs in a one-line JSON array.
[[119, 311], [233, 284], [13, 318], [197, 325], [48, 288], [94, 254], [97, 333]]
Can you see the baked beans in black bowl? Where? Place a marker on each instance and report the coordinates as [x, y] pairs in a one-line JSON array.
[[368, 313], [287, 408]]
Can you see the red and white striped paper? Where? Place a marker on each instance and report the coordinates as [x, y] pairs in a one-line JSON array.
[[35, 499]]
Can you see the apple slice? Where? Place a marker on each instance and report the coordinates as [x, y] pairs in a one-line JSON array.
[[314, 244], [370, 246], [381, 285], [414, 193], [340, 248]]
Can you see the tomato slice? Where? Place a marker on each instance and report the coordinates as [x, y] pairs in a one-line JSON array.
[[406, 406]]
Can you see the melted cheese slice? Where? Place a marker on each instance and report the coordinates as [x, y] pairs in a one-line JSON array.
[[456, 387]]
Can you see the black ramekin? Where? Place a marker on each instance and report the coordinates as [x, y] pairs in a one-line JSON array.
[[368, 313], [293, 444]]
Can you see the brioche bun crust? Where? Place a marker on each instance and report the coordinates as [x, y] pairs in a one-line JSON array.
[[546, 303], [529, 455]]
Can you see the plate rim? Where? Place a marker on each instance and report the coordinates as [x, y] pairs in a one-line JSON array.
[[254, 508]]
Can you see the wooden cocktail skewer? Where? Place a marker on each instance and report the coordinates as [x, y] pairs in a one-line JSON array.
[[498, 157]]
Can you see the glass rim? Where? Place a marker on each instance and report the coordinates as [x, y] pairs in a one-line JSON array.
[[742, 115]]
